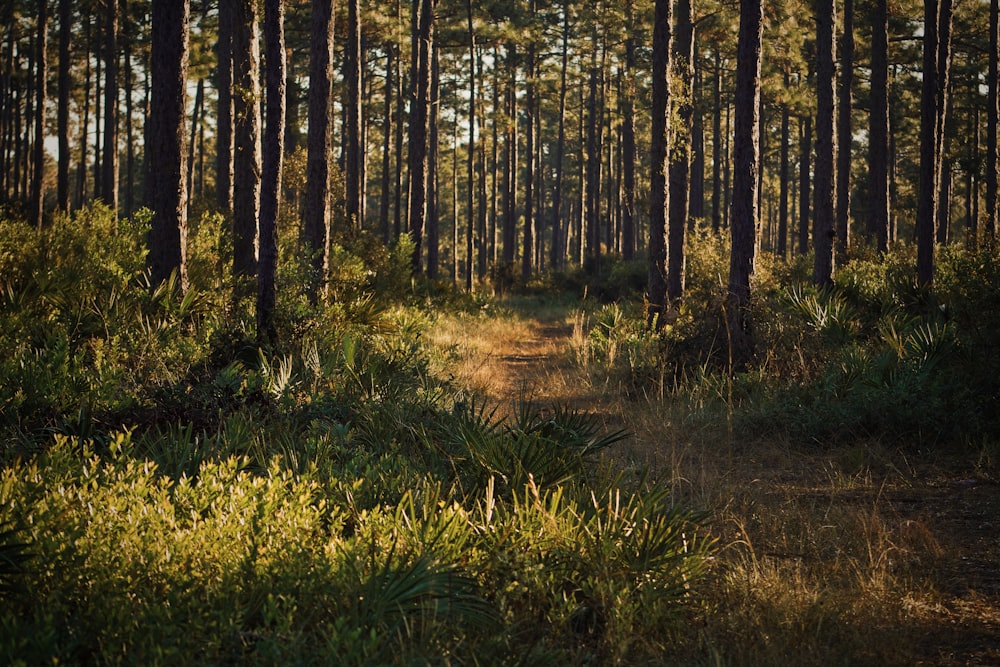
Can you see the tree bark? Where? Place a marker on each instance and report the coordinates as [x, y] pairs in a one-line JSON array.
[[628, 139], [992, 114], [166, 194], [41, 70], [933, 101], [680, 154], [62, 113], [878, 129], [109, 178], [558, 259], [387, 144], [805, 161], [527, 251], [717, 146], [825, 187], [658, 193], [471, 163], [844, 131], [432, 225], [782, 245], [316, 215], [744, 221], [419, 129], [270, 204], [224, 120], [246, 158], [353, 167]]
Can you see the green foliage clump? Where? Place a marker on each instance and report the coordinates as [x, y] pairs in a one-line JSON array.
[[174, 491]]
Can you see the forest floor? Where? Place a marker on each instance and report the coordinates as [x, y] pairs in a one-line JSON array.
[[853, 554]]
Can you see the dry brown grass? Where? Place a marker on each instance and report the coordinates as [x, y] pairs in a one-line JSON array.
[[856, 555]]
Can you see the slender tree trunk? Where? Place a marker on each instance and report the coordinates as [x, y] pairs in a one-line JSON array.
[[592, 196], [805, 160], [246, 158], [387, 152], [680, 154], [354, 168], [782, 245], [745, 216], [471, 164], [628, 139], [224, 120], [826, 148], [717, 146], [109, 179], [697, 194], [98, 80], [658, 193], [166, 194], [529, 173], [397, 208], [558, 248], [933, 105], [42, 70], [316, 219], [419, 128], [129, 108], [844, 131], [199, 101], [270, 203], [62, 113], [81, 171], [992, 114], [433, 222], [510, 161], [878, 129]]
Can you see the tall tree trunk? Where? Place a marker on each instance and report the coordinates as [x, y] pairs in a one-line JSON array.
[[270, 203], [387, 152], [992, 114], [62, 113], [878, 129], [592, 189], [825, 188], [844, 131], [224, 119], [247, 158], [165, 190], [397, 204], [745, 216], [680, 154], [782, 245], [316, 219], [354, 167], [98, 81], [933, 109], [510, 161], [433, 222], [109, 178], [42, 70], [419, 128], [805, 161], [527, 253], [628, 138], [697, 193], [558, 259], [199, 101], [129, 108], [81, 171], [658, 193], [717, 146], [471, 164]]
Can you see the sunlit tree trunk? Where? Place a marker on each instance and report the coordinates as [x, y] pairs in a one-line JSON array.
[[166, 194], [316, 214], [992, 115], [62, 112], [878, 129], [109, 178], [41, 76], [658, 193], [844, 131], [246, 157], [825, 187], [744, 222], [224, 117], [419, 129], [270, 202], [680, 154], [353, 167]]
